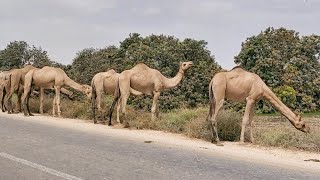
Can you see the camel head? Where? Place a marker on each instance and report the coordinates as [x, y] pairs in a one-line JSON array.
[[87, 90], [301, 125], [185, 65]]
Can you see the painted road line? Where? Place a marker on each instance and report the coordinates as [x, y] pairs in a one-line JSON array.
[[39, 167]]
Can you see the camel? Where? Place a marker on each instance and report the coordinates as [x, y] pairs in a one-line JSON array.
[[147, 81], [46, 78], [17, 82], [17, 79], [105, 82], [240, 85]]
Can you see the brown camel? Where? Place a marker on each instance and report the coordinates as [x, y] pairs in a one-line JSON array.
[[46, 78], [148, 81], [240, 85], [105, 82]]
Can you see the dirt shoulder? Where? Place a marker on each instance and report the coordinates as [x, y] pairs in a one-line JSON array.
[[266, 155]]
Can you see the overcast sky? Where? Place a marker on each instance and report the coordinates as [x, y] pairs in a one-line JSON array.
[[64, 27]]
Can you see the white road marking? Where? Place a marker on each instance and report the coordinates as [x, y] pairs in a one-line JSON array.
[[39, 167]]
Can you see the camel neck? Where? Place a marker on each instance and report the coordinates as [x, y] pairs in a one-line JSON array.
[[173, 82], [73, 84], [282, 108]]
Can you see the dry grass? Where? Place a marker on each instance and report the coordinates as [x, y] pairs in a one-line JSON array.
[[268, 130]]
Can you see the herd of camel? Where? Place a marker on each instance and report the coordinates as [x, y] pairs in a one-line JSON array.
[[236, 84]]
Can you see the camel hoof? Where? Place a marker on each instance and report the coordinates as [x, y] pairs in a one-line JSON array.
[[31, 114], [241, 143], [219, 144]]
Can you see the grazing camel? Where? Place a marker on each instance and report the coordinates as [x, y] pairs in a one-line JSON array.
[[46, 78], [105, 82], [148, 81], [240, 85]]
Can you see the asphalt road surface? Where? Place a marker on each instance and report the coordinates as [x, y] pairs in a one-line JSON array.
[[30, 150]]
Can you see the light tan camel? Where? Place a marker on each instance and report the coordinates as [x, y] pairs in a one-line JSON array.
[[46, 78], [148, 81], [243, 86], [16, 86], [17, 79], [105, 82]]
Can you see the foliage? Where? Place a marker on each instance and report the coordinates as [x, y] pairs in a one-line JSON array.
[[282, 58], [287, 95], [19, 53], [159, 52]]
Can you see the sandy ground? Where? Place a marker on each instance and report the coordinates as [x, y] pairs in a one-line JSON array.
[[266, 155]]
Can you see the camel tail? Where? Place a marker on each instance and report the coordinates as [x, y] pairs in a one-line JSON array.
[[93, 101], [212, 101], [117, 95]]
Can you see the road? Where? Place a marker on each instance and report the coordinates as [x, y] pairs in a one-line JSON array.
[[32, 150]]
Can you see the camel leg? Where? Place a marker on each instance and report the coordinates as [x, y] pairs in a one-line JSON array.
[[9, 100], [58, 89], [245, 119], [215, 109], [156, 95], [18, 105], [118, 111], [28, 97], [2, 100], [41, 100], [123, 100], [54, 106], [98, 100], [24, 100], [251, 124]]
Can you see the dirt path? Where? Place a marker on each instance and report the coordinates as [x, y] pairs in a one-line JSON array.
[[267, 155]]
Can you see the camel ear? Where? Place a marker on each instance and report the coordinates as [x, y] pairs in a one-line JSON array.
[[180, 63]]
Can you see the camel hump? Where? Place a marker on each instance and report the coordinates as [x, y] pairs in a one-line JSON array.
[[141, 65], [237, 67], [112, 71]]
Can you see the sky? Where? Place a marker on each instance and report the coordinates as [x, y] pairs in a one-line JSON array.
[[65, 27]]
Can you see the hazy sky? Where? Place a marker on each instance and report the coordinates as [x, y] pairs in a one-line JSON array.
[[64, 27]]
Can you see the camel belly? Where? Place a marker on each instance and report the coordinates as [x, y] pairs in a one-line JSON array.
[[236, 95]]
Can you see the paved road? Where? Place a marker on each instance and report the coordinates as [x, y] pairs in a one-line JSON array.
[[29, 150]]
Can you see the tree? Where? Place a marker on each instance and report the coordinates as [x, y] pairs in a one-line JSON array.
[[14, 55], [19, 53]]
